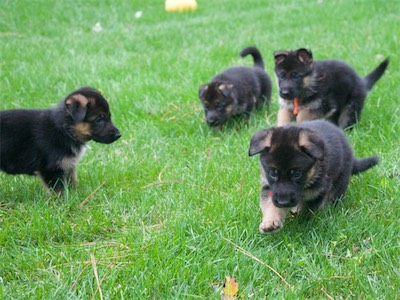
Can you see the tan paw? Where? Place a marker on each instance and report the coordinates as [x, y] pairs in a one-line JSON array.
[[271, 225]]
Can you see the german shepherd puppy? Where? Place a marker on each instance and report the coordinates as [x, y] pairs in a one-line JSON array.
[[304, 166], [236, 91], [327, 89], [50, 142]]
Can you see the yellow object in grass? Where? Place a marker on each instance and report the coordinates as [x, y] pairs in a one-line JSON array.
[[180, 5]]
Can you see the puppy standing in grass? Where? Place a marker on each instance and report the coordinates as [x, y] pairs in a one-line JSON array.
[[304, 166], [236, 91], [325, 89], [49, 142]]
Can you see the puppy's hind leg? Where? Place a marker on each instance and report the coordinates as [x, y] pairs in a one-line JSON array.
[[346, 118], [351, 113]]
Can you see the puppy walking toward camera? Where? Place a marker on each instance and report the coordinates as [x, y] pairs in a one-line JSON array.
[[50, 142], [325, 89], [236, 91], [304, 166]]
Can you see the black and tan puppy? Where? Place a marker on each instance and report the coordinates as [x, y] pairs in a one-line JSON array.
[[304, 166], [49, 142], [236, 91], [324, 89]]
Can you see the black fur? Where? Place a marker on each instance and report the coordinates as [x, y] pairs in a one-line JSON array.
[[304, 166], [49, 142], [328, 89], [236, 91]]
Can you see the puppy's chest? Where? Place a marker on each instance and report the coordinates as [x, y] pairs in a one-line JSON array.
[[68, 162]]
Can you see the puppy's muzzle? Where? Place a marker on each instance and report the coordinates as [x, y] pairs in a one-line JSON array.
[[212, 122], [284, 199], [286, 93], [114, 134], [212, 118], [111, 136]]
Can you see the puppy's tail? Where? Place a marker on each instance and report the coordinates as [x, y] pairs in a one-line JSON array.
[[374, 76], [253, 51], [363, 164]]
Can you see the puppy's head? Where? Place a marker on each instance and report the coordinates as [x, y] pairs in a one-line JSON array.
[[88, 116], [293, 71], [218, 99], [289, 156]]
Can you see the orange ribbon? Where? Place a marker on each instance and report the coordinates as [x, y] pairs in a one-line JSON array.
[[296, 106]]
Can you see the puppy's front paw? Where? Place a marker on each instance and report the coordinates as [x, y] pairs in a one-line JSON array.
[[271, 225]]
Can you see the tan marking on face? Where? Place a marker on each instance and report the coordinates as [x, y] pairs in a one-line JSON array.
[[83, 131], [311, 173], [264, 180], [273, 217], [229, 109], [308, 81]]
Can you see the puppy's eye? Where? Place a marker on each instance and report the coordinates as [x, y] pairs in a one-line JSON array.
[[296, 174], [282, 75], [294, 75], [99, 118], [273, 173]]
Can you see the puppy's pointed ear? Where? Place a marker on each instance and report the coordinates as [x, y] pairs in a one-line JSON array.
[[261, 141], [76, 106], [227, 90], [304, 56], [280, 56], [311, 144], [202, 89]]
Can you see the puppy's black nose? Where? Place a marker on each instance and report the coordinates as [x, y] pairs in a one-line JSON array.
[[212, 122], [115, 133], [284, 93], [284, 200], [285, 203]]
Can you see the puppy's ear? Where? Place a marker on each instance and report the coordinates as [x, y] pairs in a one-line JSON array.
[[203, 88], [76, 106], [260, 141], [304, 56], [311, 143], [280, 56], [227, 90]]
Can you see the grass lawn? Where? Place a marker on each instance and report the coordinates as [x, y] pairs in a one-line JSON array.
[[170, 209]]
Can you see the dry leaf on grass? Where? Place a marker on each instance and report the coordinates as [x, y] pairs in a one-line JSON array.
[[230, 289]]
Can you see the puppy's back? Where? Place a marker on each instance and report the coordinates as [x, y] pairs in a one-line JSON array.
[[20, 138], [338, 153], [11, 122], [330, 134], [338, 149]]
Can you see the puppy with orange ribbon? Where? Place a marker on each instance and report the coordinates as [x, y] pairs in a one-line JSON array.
[[323, 89]]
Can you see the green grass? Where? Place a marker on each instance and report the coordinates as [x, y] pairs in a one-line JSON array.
[[170, 198]]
